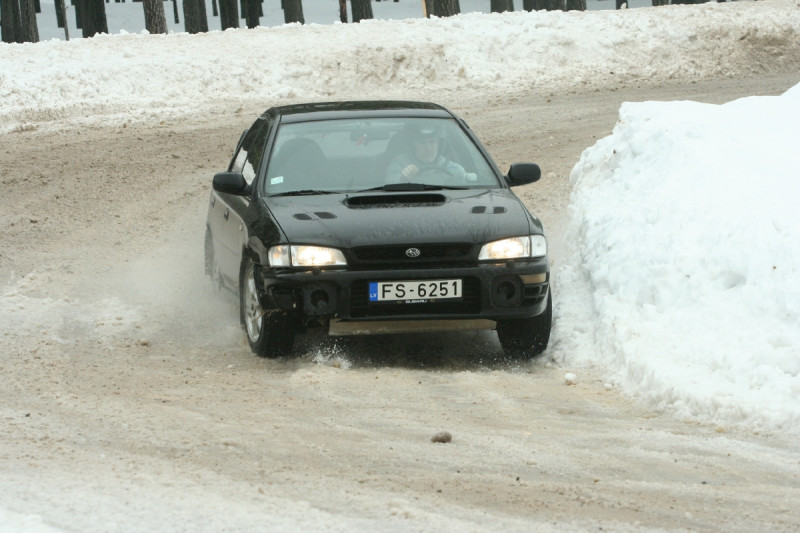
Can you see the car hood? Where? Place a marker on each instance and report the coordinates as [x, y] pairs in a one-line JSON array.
[[385, 218]]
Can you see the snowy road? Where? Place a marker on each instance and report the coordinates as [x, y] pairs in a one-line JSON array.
[[132, 402]]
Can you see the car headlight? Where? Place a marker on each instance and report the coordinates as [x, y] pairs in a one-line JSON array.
[[305, 256], [529, 246]]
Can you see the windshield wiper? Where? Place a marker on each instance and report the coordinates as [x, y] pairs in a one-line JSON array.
[[391, 187], [304, 192]]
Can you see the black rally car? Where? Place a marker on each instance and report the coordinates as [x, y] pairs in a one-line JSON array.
[[376, 217]]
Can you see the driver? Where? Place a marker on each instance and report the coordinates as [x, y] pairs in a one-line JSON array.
[[425, 158]]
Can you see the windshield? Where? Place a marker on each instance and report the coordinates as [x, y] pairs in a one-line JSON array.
[[350, 155]]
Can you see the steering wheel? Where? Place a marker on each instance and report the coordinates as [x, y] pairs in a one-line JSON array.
[[434, 171]]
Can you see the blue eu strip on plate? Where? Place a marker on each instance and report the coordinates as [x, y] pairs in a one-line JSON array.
[[373, 292]]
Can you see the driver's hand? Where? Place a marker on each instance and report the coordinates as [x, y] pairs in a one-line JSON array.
[[410, 170]]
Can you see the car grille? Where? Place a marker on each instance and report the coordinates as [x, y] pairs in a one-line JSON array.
[[431, 255], [361, 307]]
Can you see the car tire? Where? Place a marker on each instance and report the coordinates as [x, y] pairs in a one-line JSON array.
[[270, 332], [528, 337]]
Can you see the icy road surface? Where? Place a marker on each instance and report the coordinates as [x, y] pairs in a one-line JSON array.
[[130, 401]]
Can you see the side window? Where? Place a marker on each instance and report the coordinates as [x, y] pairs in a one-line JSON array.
[[250, 152]]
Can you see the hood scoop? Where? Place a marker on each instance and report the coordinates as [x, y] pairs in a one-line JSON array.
[[395, 200]]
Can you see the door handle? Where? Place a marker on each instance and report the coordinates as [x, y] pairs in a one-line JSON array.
[[226, 213]]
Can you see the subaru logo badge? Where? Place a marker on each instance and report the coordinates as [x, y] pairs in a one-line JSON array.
[[413, 252]]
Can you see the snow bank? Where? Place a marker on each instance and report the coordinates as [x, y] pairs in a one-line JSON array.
[[139, 76], [689, 243]]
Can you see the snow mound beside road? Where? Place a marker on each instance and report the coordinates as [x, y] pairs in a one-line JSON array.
[[689, 244]]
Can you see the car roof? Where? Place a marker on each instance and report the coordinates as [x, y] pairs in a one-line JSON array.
[[358, 109]]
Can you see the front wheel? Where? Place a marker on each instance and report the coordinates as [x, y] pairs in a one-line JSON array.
[[270, 333], [527, 337]]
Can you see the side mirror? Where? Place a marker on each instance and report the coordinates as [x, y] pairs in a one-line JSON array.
[[523, 173], [231, 183]]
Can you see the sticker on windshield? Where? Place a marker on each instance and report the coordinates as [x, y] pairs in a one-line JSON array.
[[276, 180]]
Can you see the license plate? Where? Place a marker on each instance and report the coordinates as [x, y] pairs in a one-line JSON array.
[[414, 291]]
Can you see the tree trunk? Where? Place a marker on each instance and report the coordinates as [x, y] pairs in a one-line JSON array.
[[555, 5], [499, 6], [228, 14], [194, 16], [343, 11], [28, 30], [175, 11], [63, 9], [60, 12], [214, 10], [445, 8], [362, 9], [429, 8], [94, 21], [576, 5], [10, 20], [154, 19], [201, 9], [252, 15], [293, 11]]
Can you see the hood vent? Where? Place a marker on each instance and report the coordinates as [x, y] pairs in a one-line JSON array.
[[395, 200], [480, 209]]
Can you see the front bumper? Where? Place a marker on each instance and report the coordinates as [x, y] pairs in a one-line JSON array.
[[491, 292]]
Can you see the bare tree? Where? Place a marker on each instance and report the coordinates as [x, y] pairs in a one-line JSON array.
[[499, 6], [61, 17], [10, 20], [446, 8], [175, 11], [94, 18], [28, 30], [251, 11], [194, 16], [293, 11], [60, 13], [362, 9], [228, 14], [19, 21], [154, 19]]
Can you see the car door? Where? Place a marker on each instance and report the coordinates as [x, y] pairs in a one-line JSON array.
[[226, 212]]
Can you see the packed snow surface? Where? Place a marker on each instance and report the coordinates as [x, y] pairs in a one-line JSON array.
[[684, 284]]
